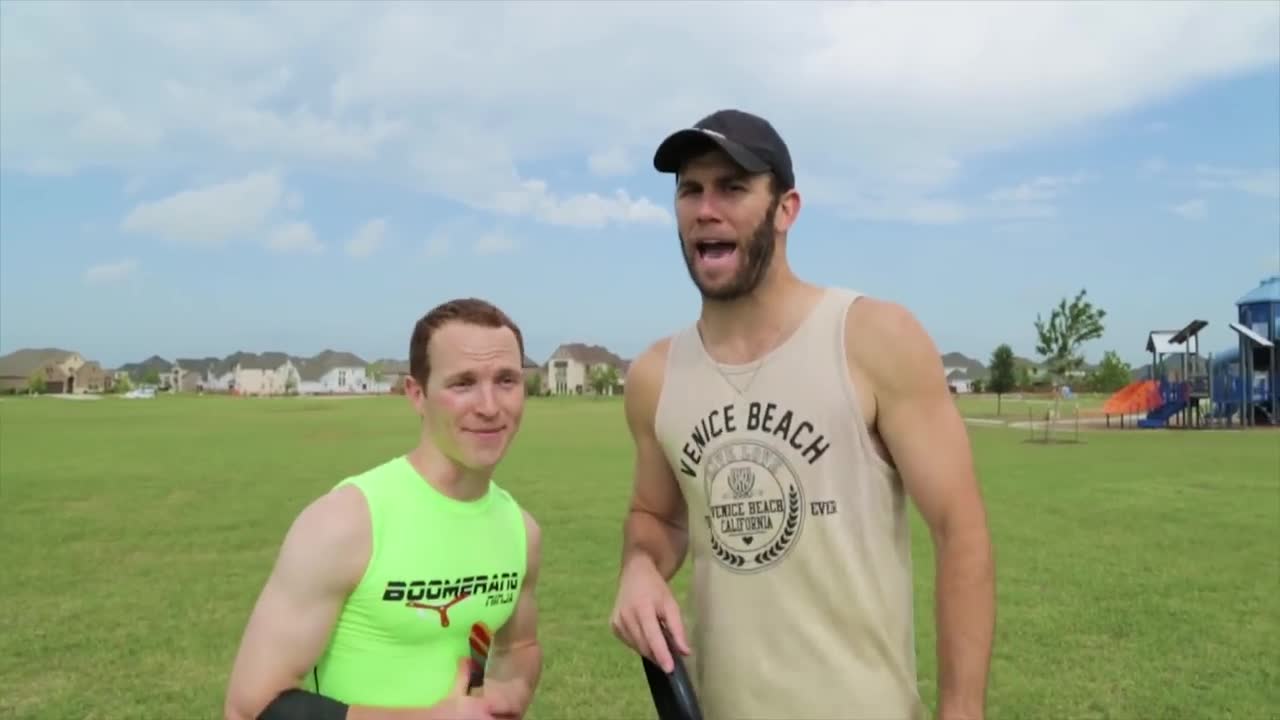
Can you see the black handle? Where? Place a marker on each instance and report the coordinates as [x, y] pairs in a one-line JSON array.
[[673, 694]]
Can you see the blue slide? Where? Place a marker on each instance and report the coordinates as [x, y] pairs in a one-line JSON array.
[[1174, 402], [1159, 417]]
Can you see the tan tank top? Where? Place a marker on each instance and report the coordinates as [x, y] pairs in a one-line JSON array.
[[801, 600]]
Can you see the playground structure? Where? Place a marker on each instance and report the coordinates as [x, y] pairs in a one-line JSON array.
[[1237, 387]]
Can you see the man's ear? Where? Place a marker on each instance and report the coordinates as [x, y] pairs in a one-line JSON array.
[[788, 211], [416, 394]]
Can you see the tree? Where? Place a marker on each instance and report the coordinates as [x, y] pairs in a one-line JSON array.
[[1069, 326], [1025, 381], [35, 383], [373, 373], [1001, 373], [151, 377], [1111, 374], [603, 377], [533, 384]]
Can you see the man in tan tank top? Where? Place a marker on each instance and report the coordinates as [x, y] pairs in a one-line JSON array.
[[778, 441]]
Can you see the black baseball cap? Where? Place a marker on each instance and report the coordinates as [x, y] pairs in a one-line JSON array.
[[749, 139]]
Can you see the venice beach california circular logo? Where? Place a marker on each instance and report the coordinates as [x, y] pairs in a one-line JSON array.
[[755, 502]]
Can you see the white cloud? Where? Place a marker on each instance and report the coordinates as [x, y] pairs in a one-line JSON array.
[[111, 273], [1038, 189], [467, 231], [586, 210], [1263, 182], [1195, 209], [210, 215], [294, 237], [1033, 199], [897, 97], [368, 239]]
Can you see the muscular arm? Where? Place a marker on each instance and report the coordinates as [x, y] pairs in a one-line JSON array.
[[919, 424], [515, 662], [656, 526], [320, 561], [316, 568]]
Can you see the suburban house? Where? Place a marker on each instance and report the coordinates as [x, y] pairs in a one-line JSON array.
[[959, 381], [60, 371], [391, 374], [568, 370], [244, 373], [272, 373], [221, 377], [91, 378], [961, 371], [190, 374], [331, 372]]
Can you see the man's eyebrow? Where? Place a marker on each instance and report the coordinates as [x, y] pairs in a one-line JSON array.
[[729, 176]]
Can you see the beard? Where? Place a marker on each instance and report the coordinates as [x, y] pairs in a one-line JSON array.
[[757, 256]]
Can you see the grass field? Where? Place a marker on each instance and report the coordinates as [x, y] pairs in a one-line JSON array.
[[1139, 575]]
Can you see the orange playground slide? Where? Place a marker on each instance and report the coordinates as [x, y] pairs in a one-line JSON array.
[[1139, 396]]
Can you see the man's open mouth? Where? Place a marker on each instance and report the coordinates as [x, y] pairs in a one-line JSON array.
[[715, 250]]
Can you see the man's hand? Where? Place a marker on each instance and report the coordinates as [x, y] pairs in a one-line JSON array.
[[507, 698], [459, 705], [917, 419], [644, 601]]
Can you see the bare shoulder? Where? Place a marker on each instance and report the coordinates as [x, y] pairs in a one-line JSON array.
[[888, 346], [330, 539], [533, 536], [336, 517], [644, 384], [647, 369]]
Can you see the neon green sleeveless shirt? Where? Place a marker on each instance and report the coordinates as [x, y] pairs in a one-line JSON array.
[[438, 566]]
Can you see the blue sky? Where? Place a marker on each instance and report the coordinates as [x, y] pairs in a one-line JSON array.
[[191, 180]]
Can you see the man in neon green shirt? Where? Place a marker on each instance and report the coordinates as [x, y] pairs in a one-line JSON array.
[[387, 586]]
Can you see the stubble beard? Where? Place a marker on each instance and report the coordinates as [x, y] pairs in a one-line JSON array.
[[757, 257]]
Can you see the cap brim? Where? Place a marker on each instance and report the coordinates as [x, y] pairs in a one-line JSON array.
[[681, 145]]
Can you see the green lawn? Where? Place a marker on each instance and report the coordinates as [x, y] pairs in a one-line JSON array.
[[1138, 572]]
